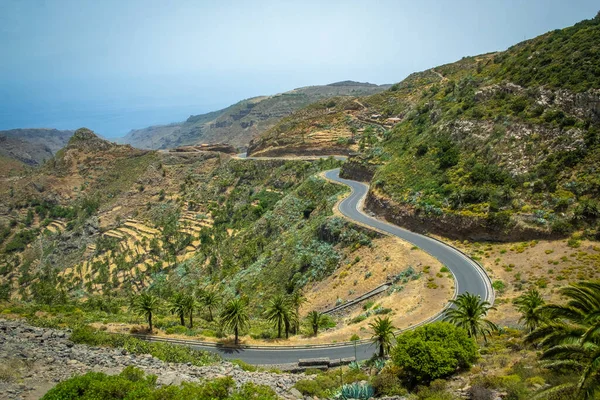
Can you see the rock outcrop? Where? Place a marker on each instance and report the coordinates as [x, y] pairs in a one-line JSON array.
[[216, 147]]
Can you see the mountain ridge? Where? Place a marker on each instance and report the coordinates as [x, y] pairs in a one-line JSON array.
[[32, 146], [499, 146], [241, 121]]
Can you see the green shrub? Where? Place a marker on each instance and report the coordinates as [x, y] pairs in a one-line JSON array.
[[368, 304], [96, 385], [499, 286], [387, 382], [308, 387], [133, 384], [178, 329], [20, 241], [433, 351], [163, 351], [244, 365], [514, 387], [316, 387], [357, 319]]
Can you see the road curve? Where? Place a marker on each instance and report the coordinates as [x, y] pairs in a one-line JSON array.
[[469, 277]]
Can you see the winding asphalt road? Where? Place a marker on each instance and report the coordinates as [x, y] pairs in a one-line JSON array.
[[469, 277]]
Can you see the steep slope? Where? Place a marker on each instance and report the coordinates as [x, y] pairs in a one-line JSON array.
[[497, 146], [32, 146], [104, 217], [25, 152], [239, 123]]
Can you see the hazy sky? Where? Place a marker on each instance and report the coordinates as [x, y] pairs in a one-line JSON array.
[[117, 65]]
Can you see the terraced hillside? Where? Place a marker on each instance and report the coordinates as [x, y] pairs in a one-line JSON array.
[[126, 256], [106, 218], [239, 123], [500, 146]]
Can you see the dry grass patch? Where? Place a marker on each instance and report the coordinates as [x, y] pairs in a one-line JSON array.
[[544, 265]]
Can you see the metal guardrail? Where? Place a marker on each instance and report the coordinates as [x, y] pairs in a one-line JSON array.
[[365, 296]]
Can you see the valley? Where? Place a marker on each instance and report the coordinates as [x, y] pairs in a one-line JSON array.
[[434, 239]]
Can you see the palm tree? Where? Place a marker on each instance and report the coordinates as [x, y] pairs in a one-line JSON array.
[[530, 306], [235, 316], [383, 334], [469, 313], [571, 338], [177, 307], [144, 305], [296, 301], [292, 320], [278, 312], [314, 318], [189, 306], [211, 300]]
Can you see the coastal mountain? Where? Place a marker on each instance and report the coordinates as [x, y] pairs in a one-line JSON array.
[[141, 272], [240, 122], [32, 146], [499, 146]]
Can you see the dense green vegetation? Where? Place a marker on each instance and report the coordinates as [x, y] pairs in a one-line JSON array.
[[433, 351], [287, 230], [501, 153], [132, 383], [271, 215], [564, 58], [163, 351]]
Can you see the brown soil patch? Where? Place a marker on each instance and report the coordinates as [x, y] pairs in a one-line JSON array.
[[545, 265]]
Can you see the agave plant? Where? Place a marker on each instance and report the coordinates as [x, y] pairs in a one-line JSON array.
[[378, 364], [354, 366], [357, 391]]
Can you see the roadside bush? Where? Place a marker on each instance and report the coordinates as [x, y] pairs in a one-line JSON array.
[[179, 330], [433, 351], [163, 351], [133, 384], [387, 382], [357, 319], [499, 286], [244, 365], [316, 387]]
